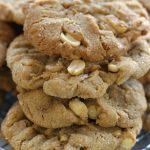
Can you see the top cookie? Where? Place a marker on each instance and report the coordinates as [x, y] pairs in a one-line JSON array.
[[12, 10], [92, 30]]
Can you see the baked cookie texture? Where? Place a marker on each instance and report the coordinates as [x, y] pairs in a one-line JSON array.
[[22, 134], [92, 30], [31, 70], [12, 10], [146, 81], [6, 36], [136, 63], [121, 106], [56, 75]]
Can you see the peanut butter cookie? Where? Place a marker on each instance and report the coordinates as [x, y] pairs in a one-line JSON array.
[[136, 63], [22, 134], [92, 30], [121, 106], [63, 78]]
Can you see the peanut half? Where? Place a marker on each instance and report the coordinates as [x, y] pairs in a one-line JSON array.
[[69, 39], [79, 108], [76, 67]]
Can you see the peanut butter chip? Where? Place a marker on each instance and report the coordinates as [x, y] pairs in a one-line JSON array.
[[76, 67], [69, 39]]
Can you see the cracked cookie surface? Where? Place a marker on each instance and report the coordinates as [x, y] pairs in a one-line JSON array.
[[137, 61], [23, 134], [32, 70], [92, 30], [121, 106]]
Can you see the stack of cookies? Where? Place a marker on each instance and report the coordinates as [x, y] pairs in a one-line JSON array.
[[76, 67], [146, 82]]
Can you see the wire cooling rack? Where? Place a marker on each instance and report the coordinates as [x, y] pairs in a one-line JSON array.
[[143, 140]]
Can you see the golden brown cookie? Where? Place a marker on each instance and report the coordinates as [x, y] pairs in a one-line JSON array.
[[137, 62], [6, 36], [121, 106], [92, 30], [32, 70], [12, 10], [23, 134], [62, 78]]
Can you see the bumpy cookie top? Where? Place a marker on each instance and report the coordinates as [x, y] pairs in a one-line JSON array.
[[121, 106], [6, 36], [89, 29], [37, 68], [23, 134], [56, 75], [12, 10]]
